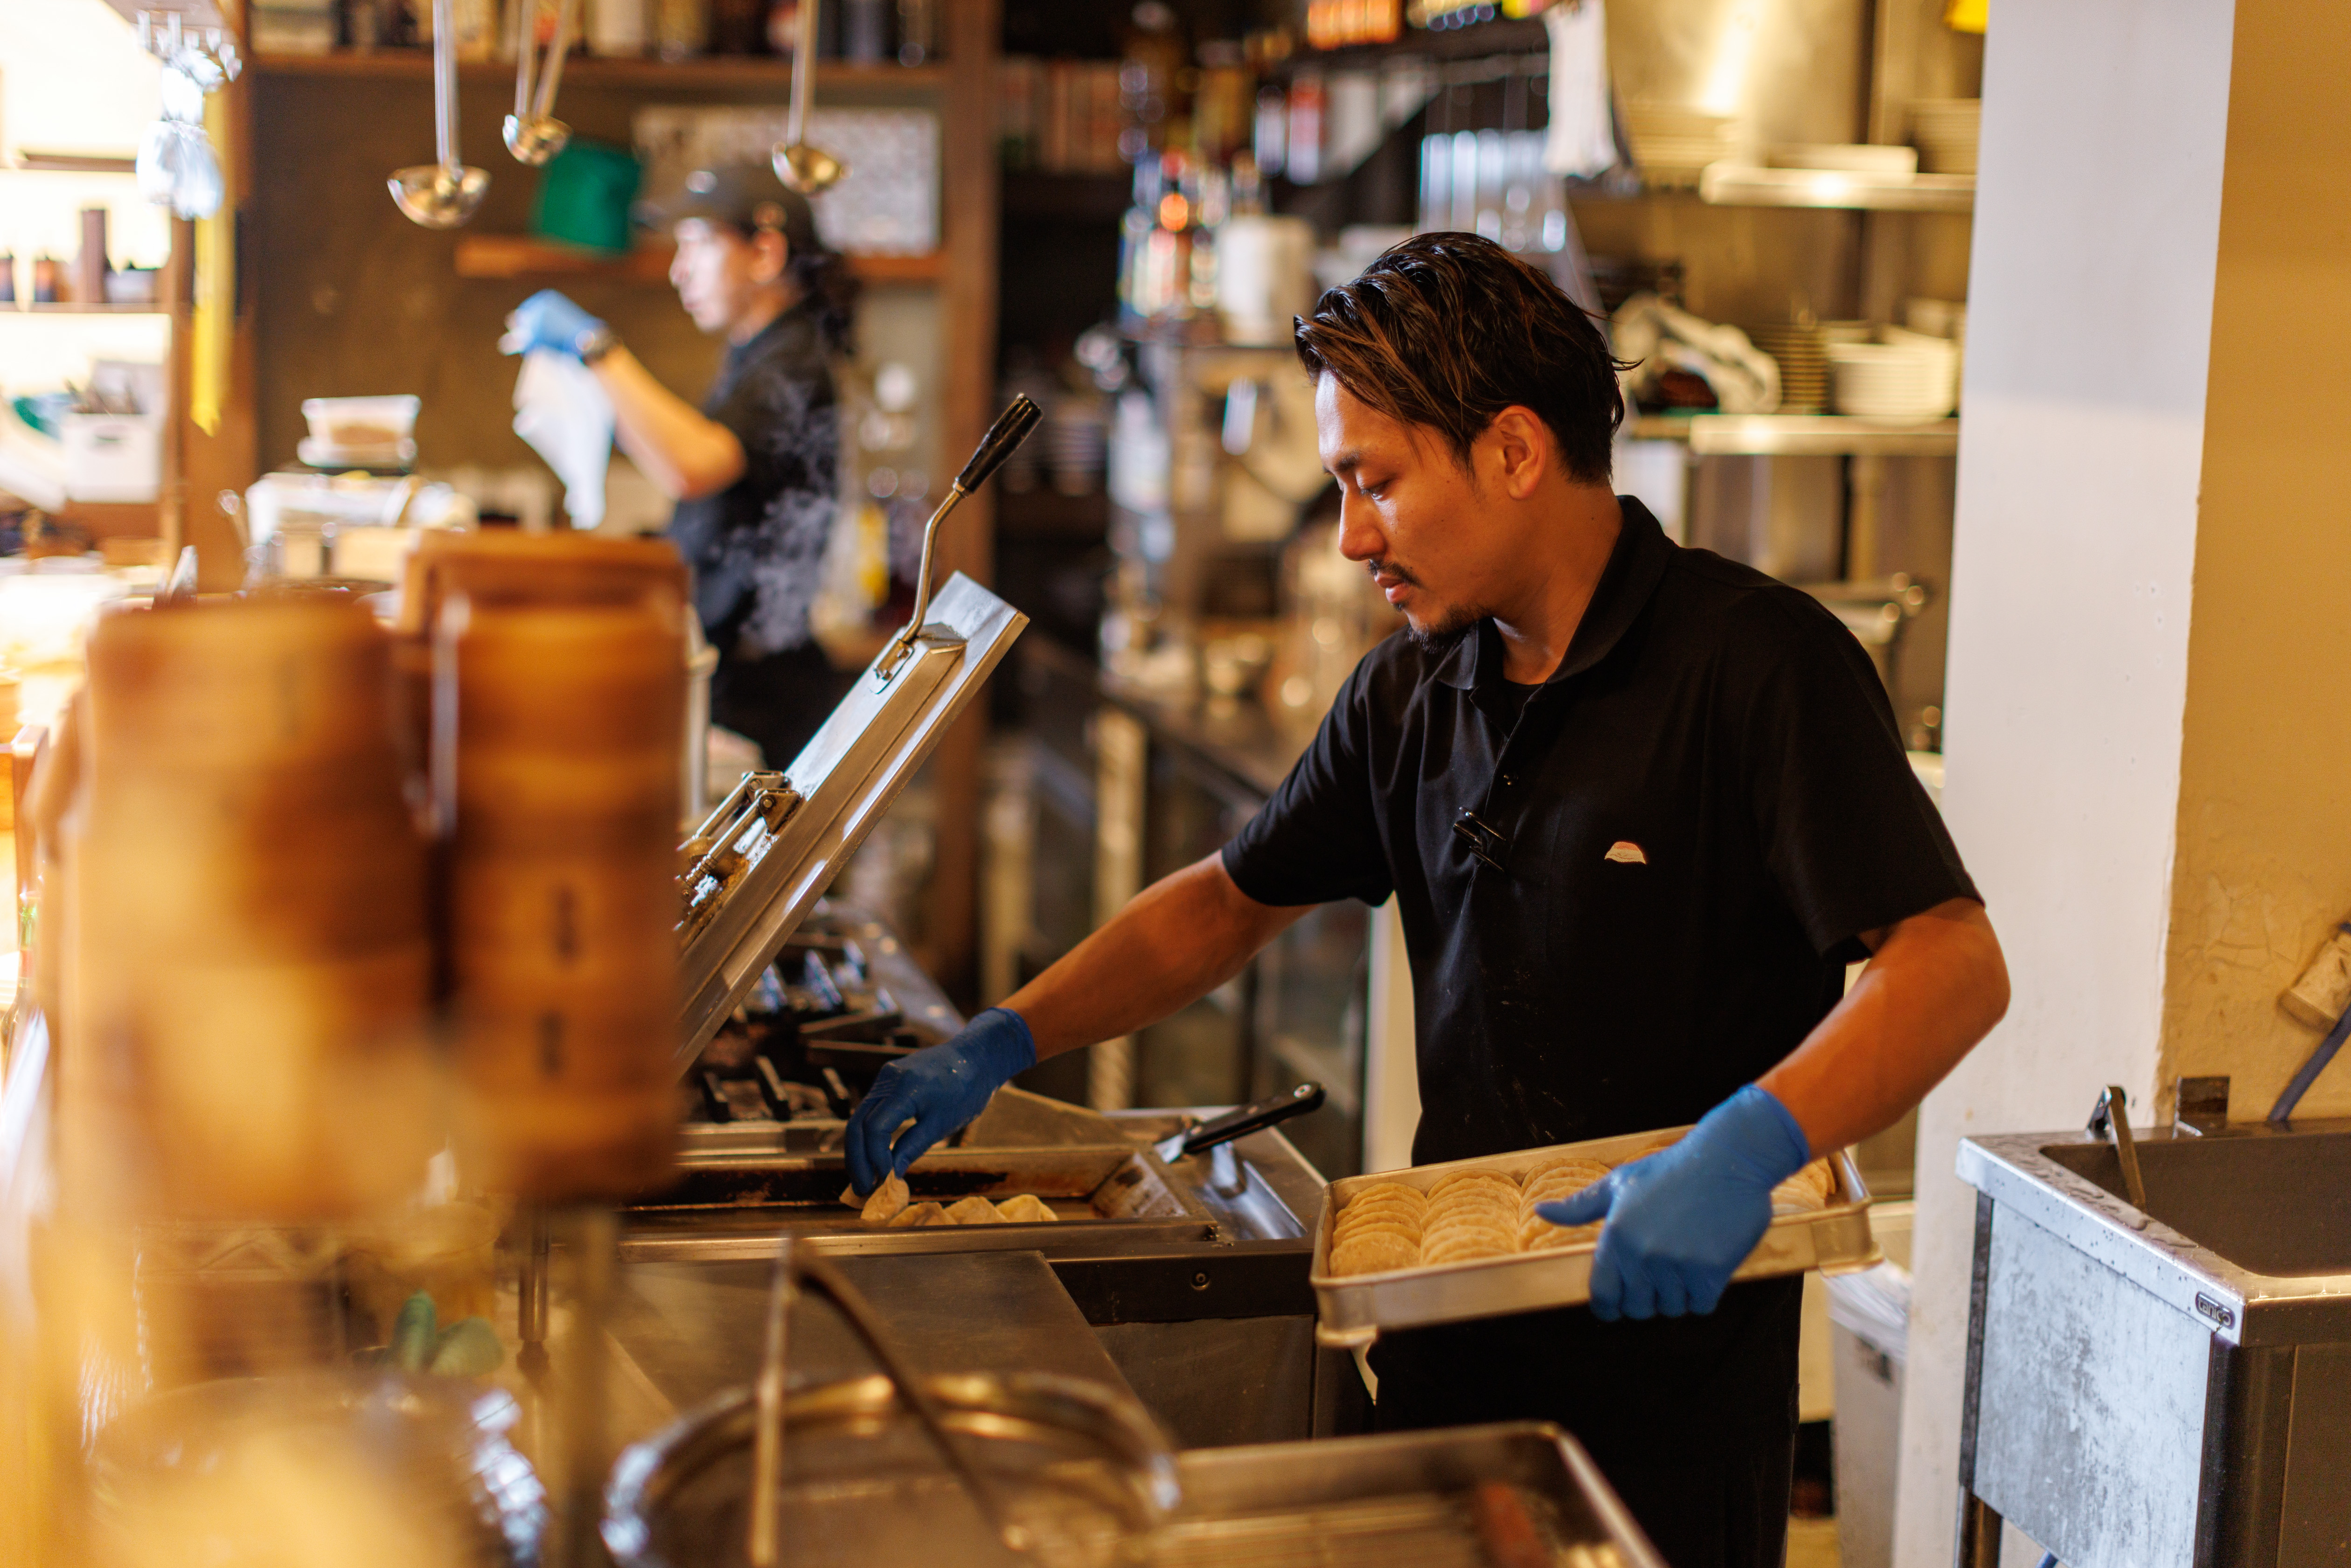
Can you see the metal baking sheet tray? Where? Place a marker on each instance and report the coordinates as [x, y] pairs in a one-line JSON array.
[[735, 1206], [1354, 1309], [1457, 1496]]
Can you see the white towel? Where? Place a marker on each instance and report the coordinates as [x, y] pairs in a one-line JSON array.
[[562, 410], [1583, 136]]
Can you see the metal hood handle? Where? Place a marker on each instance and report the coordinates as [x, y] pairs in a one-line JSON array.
[[1011, 429]]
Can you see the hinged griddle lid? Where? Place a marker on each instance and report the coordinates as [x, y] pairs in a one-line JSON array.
[[845, 777]]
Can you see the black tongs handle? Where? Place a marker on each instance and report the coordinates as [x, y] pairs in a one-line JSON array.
[[1247, 1119], [1011, 429]]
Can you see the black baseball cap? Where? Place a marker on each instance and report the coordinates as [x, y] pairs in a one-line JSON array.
[[747, 195]]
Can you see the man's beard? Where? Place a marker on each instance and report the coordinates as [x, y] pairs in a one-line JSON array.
[[1443, 635], [1446, 636]]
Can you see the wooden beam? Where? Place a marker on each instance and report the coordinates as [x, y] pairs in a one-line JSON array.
[[968, 543]]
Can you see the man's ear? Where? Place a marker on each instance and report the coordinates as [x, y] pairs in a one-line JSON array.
[[1522, 450], [770, 253]]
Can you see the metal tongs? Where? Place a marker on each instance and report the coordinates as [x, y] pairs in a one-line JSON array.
[[793, 1268], [1011, 429]]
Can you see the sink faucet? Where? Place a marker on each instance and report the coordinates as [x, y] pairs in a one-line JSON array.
[[2110, 1122]]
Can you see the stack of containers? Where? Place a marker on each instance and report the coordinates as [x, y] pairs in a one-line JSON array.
[[555, 749], [246, 1022], [1946, 129]]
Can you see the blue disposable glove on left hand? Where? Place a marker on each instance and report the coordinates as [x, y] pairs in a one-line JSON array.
[[941, 1088], [547, 321], [1680, 1221]]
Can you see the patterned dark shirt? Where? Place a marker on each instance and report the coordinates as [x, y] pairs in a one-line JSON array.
[[758, 547]]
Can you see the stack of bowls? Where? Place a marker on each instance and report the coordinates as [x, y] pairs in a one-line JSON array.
[[1944, 130], [1803, 354], [1672, 144], [1913, 377]]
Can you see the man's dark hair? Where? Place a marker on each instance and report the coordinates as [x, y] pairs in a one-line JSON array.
[[1448, 330]]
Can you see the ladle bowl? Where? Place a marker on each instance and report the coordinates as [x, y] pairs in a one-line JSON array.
[[807, 170], [438, 195], [536, 140]]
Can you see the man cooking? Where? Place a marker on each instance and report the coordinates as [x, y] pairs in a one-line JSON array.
[[1639, 807], [755, 471]]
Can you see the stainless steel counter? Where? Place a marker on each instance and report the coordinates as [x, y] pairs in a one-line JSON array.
[[693, 1330]]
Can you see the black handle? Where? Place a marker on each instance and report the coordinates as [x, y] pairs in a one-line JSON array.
[[1255, 1118], [1011, 429]]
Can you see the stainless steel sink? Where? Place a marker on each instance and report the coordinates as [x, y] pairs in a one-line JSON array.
[[2169, 1384], [2270, 1203]]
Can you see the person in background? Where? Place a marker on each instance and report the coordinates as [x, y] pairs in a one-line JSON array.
[[755, 471]]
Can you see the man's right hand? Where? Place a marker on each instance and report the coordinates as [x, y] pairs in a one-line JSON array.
[[548, 319], [939, 1090]]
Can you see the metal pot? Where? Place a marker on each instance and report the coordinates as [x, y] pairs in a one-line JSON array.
[[1082, 1468]]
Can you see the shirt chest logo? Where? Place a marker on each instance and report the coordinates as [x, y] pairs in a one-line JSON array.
[[1624, 851]]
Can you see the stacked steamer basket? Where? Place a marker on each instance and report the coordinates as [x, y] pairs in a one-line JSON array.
[[557, 728], [246, 1025]]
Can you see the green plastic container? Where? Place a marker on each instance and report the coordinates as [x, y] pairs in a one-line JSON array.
[[584, 196]]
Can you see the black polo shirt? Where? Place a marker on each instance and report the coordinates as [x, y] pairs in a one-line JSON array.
[[1679, 840]]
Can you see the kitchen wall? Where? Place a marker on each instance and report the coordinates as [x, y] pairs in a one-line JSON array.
[[353, 298], [2146, 649]]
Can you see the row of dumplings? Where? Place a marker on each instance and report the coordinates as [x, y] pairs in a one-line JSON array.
[[891, 1206], [1476, 1213]]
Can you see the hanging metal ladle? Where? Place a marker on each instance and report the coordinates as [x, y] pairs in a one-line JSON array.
[[444, 195], [532, 132], [805, 169]]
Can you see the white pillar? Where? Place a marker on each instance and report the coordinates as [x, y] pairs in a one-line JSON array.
[[2089, 318], [2151, 655]]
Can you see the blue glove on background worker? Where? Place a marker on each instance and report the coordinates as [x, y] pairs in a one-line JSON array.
[[939, 1088], [1680, 1221], [548, 320]]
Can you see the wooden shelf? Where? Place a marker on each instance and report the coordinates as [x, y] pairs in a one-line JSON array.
[[30, 163], [588, 70], [1801, 435], [1737, 185], [520, 256], [69, 309]]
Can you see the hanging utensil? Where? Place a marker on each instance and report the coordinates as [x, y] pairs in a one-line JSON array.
[[806, 169], [532, 132], [444, 195]]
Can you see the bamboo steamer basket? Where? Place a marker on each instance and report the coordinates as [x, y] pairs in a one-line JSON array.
[[557, 729], [253, 952], [238, 685]]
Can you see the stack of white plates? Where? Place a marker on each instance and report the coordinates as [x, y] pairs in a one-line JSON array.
[[1914, 378], [1672, 144], [1944, 130]]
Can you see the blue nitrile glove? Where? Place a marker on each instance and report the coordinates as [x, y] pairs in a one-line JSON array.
[[547, 321], [1681, 1220], [940, 1088]]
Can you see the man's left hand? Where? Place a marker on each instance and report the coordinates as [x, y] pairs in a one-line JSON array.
[[1681, 1220]]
